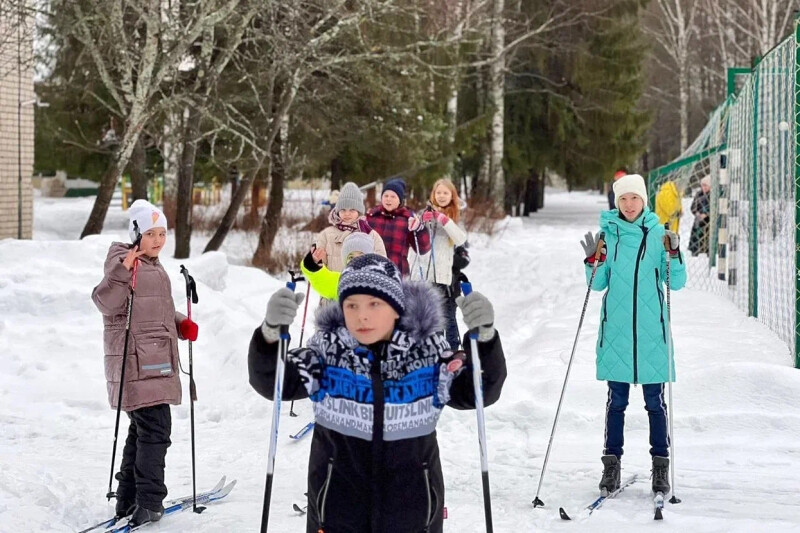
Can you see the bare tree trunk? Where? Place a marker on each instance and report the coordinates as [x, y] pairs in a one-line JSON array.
[[683, 92], [272, 218], [496, 96], [255, 193], [453, 86], [94, 225], [171, 152], [138, 169], [185, 200], [229, 217], [337, 173]]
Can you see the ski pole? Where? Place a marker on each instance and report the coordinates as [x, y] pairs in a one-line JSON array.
[[280, 367], [111, 494], [673, 499], [477, 383], [191, 297], [295, 278], [432, 259], [416, 259], [597, 254]]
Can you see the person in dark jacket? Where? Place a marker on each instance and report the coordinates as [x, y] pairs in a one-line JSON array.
[[379, 371], [701, 209], [397, 225]]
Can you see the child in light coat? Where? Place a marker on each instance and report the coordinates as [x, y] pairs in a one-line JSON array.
[[346, 218], [441, 221]]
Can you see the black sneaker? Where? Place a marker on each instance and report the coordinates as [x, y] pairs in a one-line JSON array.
[[660, 475], [142, 515], [611, 474]]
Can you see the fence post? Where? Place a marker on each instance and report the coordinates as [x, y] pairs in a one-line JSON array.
[[796, 111], [753, 252]]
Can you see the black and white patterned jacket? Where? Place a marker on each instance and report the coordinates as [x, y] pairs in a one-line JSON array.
[[374, 463]]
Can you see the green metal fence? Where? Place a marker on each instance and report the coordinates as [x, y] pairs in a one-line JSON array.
[[742, 239]]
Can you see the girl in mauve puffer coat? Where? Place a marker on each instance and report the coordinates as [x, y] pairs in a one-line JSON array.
[[151, 381]]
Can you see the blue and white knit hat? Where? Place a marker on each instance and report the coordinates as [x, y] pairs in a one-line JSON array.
[[374, 275]]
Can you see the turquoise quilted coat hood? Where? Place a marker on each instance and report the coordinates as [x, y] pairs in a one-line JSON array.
[[632, 341]]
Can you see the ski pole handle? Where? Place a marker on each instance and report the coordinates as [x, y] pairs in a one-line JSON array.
[[291, 285], [666, 237], [601, 242], [466, 288], [133, 276]]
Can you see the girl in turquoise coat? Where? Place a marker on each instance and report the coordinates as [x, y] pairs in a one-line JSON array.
[[632, 339]]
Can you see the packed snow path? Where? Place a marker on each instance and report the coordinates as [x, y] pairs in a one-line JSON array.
[[737, 422]]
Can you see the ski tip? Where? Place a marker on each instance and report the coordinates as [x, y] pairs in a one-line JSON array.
[[537, 502], [563, 514], [658, 515]]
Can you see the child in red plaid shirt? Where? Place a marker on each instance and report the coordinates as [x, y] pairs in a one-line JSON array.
[[397, 225]]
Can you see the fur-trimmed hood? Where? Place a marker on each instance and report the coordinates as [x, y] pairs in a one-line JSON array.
[[423, 316]]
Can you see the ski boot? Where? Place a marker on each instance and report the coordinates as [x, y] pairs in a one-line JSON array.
[[661, 475], [124, 508], [142, 515], [611, 474]]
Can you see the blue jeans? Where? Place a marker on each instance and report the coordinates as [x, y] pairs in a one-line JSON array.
[[656, 408]]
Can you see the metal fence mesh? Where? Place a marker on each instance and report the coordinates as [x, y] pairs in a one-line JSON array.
[[739, 238]]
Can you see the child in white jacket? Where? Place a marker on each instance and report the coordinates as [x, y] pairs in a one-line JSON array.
[[436, 266]]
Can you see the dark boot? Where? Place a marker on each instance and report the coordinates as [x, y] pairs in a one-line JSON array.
[[142, 515], [611, 474], [661, 475], [124, 508]]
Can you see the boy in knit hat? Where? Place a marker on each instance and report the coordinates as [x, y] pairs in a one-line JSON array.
[[345, 218], [151, 381], [326, 281], [398, 226], [633, 335], [379, 372]]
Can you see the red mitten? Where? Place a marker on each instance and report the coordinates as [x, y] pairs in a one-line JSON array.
[[427, 216], [189, 330], [442, 218]]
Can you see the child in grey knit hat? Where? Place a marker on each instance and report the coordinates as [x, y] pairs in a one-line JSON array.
[[346, 217]]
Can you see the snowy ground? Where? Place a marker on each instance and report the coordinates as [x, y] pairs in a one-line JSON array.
[[736, 421]]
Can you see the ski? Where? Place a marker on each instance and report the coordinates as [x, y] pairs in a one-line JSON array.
[[303, 432], [596, 504], [658, 506], [180, 506], [110, 522]]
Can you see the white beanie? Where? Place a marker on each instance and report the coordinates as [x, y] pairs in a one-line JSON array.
[[147, 216], [631, 183]]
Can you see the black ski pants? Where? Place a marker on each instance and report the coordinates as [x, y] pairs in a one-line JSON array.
[[141, 473]]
